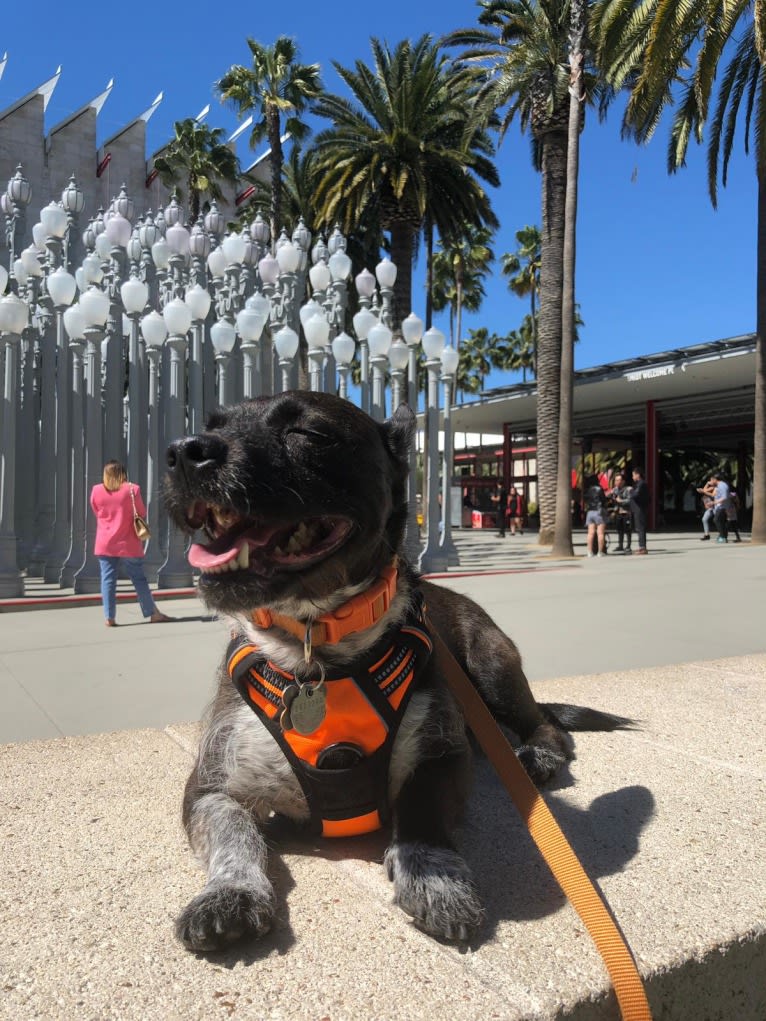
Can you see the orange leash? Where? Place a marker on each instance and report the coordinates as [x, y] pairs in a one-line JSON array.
[[551, 842]]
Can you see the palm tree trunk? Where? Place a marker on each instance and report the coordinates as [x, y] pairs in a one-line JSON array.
[[554, 161], [562, 539], [402, 237], [276, 160], [428, 231], [459, 305], [759, 439]]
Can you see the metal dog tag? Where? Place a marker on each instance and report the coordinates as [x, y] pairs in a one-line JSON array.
[[308, 708]]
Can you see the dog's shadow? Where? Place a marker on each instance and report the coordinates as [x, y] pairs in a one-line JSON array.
[[514, 881]]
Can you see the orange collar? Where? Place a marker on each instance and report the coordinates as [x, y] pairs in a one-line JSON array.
[[357, 614]]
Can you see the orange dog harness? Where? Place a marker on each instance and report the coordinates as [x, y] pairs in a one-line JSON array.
[[362, 717]]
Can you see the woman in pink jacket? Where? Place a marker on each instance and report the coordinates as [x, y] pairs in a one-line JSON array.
[[117, 542]]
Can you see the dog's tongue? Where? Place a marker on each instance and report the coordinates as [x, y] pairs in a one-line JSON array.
[[203, 558]]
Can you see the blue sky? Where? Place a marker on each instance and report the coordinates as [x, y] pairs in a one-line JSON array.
[[657, 267]]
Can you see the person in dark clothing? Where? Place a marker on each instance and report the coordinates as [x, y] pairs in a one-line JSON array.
[[501, 499], [639, 504], [619, 498]]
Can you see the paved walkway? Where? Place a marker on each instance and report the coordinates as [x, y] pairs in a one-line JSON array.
[[669, 819]]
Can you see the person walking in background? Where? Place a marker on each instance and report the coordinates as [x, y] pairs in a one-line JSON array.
[[732, 515], [117, 543], [516, 511], [594, 498], [620, 500], [707, 492], [722, 504], [639, 504], [501, 499]]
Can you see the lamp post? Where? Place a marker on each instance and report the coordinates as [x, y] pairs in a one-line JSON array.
[[398, 359], [61, 288], [343, 348], [224, 337], [379, 342], [154, 332], [363, 321], [115, 240], [19, 194], [250, 323], [74, 323], [13, 318], [317, 331], [432, 558], [135, 295], [175, 572], [412, 331], [94, 305], [286, 345], [385, 273], [449, 360]]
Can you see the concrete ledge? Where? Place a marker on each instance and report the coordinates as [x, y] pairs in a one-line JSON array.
[[669, 820]]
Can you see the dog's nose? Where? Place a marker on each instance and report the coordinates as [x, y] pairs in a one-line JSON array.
[[195, 453]]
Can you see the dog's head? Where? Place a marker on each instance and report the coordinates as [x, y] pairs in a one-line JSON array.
[[301, 496]]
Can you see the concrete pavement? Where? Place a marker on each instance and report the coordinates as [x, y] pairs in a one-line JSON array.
[[668, 819]]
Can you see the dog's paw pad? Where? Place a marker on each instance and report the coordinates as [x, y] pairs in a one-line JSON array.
[[540, 763], [222, 914], [434, 885]]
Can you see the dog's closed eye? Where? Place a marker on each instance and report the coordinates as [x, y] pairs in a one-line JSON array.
[[314, 436]]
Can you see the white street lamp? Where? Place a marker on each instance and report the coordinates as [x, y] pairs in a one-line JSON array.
[[134, 294], [178, 317], [154, 329], [216, 263], [61, 287], [286, 344], [54, 220], [94, 305]]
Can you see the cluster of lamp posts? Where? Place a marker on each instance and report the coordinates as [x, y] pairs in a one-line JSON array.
[[118, 339]]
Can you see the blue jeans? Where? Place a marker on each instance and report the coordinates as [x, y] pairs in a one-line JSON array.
[[707, 517], [135, 571]]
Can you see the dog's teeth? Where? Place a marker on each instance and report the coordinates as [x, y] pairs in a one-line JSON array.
[[279, 551], [225, 518], [243, 560]]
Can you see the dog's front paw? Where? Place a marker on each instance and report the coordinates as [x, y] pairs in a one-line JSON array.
[[222, 914], [540, 763], [435, 886]]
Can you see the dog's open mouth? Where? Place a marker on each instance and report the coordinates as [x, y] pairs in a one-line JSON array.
[[247, 544]]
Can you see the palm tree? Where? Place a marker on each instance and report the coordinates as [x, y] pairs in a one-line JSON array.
[[524, 48], [516, 351], [562, 538], [404, 144], [458, 272], [522, 268], [476, 359], [658, 47], [278, 89], [199, 159]]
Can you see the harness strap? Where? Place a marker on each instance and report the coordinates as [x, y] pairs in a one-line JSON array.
[[551, 842]]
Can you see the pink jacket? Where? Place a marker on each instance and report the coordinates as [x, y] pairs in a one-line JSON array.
[[115, 534]]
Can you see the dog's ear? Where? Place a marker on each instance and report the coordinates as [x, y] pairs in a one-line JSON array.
[[399, 431]]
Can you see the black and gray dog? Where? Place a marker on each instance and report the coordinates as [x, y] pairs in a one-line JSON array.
[[330, 708]]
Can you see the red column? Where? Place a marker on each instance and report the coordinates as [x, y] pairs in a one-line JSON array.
[[652, 464]]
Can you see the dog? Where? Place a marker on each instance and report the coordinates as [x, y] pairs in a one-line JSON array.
[[331, 709]]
